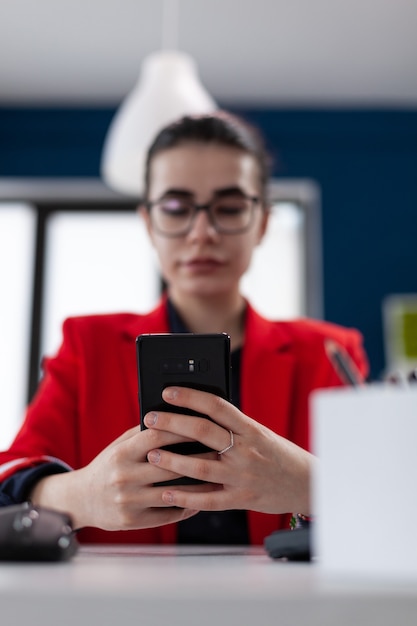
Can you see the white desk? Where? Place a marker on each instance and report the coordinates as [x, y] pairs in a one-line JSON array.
[[147, 586]]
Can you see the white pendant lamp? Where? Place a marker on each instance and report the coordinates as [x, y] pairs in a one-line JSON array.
[[168, 87]]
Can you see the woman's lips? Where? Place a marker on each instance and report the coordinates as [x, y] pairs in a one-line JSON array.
[[202, 264]]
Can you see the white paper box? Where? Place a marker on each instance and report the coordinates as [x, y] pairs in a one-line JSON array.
[[365, 485]]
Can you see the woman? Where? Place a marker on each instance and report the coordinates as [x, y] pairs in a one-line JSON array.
[[80, 448]]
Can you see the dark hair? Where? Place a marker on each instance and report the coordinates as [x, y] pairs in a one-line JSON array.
[[220, 128]]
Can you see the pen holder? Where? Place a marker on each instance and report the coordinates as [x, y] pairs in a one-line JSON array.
[[365, 483]]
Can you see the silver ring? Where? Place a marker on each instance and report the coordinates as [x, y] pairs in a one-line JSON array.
[[230, 446]]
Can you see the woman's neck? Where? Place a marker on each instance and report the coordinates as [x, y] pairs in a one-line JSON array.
[[208, 315]]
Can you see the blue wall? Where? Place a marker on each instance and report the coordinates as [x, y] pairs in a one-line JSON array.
[[365, 162]]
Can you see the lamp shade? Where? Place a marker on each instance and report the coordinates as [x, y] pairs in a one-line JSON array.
[[168, 88]]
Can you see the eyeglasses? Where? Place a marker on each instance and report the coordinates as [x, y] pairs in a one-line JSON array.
[[229, 214]]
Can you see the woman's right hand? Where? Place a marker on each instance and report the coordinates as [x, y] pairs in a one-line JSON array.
[[115, 491]]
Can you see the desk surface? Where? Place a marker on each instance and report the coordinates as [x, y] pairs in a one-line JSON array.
[[149, 585]]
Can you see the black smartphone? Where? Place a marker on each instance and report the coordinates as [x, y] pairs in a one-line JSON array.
[[199, 361]]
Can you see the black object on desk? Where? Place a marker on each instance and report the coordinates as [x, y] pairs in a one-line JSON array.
[[294, 545], [30, 533]]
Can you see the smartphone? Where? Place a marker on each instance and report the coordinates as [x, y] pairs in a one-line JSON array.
[[199, 361]]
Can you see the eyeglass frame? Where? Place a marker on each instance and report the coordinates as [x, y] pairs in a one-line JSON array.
[[205, 207]]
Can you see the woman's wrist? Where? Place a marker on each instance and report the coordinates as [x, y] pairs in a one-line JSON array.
[[60, 492]]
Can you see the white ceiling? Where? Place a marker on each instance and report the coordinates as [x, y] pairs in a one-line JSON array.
[[249, 52]]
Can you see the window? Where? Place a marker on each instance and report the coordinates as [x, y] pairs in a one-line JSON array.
[[94, 263], [17, 243]]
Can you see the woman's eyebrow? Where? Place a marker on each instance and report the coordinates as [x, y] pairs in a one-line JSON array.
[[174, 191], [217, 193], [229, 191]]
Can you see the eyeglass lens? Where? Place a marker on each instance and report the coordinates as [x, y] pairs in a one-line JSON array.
[[229, 214]]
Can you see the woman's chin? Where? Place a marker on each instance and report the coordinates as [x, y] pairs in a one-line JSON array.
[[206, 290]]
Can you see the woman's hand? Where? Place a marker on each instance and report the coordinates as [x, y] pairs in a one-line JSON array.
[[261, 472], [116, 490]]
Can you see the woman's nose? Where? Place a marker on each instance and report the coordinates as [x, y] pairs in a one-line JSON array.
[[201, 227]]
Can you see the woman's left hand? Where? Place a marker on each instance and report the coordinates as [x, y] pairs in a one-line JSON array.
[[262, 471]]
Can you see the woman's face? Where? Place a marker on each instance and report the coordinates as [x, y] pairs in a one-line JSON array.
[[204, 262]]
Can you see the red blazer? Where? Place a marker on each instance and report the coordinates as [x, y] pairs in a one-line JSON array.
[[88, 395]]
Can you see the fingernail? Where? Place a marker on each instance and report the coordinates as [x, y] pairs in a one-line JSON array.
[[151, 418], [154, 456], [170, 393], [168, 497]]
